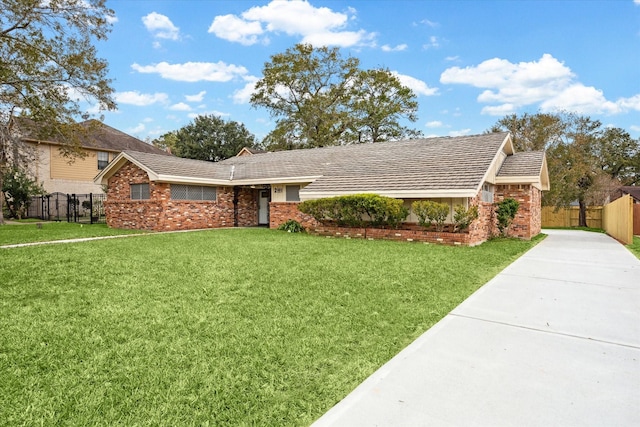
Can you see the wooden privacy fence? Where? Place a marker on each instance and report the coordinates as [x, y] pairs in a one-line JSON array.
[[620, 218], [568, 217]]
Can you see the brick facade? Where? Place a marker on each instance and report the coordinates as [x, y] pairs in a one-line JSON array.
[[528, 220], [161, 213], [238, 206], [526, 224]]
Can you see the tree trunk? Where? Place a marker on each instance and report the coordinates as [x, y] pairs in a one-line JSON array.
[[1, 202], [582, 217]]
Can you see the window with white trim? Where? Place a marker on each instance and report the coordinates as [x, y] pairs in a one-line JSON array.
[[103, 159], [293, 193], [139, 191], [193, 192]]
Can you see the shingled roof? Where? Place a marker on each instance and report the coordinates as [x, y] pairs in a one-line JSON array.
[[99, 136], [432, 167]]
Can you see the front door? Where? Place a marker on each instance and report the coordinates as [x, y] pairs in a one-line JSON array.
[[263, 207]]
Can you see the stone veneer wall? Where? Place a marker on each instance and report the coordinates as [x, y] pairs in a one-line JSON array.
[[161, 213]]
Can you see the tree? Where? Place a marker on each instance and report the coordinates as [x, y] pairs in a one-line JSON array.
[[166, 142], [585, 161], [532, 132], [319, 98], [379, 102], [18, 189], [306, 90], [211, 138], [48, 66], [619, 156]]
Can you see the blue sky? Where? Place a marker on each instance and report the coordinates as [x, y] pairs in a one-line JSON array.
[[469, 62]]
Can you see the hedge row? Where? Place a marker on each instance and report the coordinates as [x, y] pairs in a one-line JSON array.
[[357, 210]]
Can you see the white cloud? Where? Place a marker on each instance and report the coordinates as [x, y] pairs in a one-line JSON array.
[[140, 128], [632, 103], [316, 25], [398, 48], [636, 2], [197, 97], [455, 58], [499, 110], [461, 132], [340, 38], [141, 99], [434, 124], [417, 86], [429, 23], [234, 29], [161, 26], [433, 43], [180, 106], [193, 71], [547, 82], [634, 127], [242, 96]]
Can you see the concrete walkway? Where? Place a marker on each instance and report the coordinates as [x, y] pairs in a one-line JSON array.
[[553, 340]]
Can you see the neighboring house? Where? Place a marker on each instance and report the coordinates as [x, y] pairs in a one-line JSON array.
[[75, 176], [631, 190], [153, 192]]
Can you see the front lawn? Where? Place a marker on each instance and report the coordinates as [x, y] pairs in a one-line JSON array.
[[220, 327], [28, 232]]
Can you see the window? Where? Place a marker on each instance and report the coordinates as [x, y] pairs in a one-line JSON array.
[[139, 191], [103, 159], [192, 192], [293, 193], [487, 193]]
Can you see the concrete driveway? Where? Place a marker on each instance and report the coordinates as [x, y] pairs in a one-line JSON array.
[[553, 340]]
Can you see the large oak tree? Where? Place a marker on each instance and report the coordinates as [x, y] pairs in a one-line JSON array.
[[318, 98], [586, 161], [48, 68]]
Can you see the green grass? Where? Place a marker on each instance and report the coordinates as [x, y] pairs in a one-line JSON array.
[[635, 246], [48, 231], [221, 327]]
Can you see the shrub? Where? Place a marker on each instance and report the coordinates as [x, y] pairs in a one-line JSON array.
[[352, 210], [505, 212], [463, 217], [18, 189], [429, 212], [291, 226]]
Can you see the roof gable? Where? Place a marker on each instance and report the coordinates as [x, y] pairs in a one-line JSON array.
[[528, 167]]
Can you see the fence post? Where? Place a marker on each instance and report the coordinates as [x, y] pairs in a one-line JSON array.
[[90, 208]]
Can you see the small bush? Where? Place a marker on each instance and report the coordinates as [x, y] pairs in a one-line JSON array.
[[463, 217], [353, 210], [291, 226], [430, 212], [505, 212]]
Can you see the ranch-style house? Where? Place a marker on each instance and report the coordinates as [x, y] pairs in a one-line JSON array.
[[158, 192]]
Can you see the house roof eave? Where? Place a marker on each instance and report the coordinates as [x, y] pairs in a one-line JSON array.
[[396, 194]]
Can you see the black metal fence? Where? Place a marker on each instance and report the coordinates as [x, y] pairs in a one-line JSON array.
[[82, 208]]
